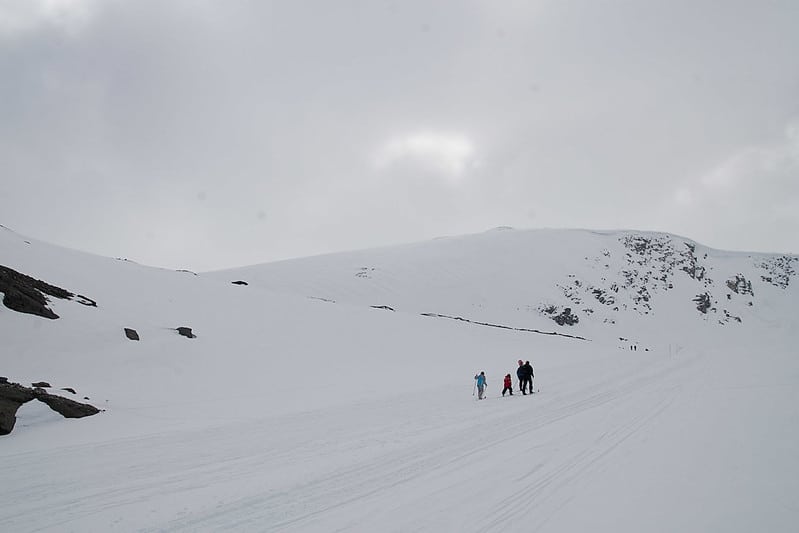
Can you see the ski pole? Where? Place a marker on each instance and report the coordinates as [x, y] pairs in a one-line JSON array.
[[474, 388]]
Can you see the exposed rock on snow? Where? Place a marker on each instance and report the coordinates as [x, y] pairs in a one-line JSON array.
[[14, 395], [702, 303], [328, 300], [780, 270], [566, 318], [740, 285], [239, 282], [84, 300], [563, 317], [186, 332], [364, 272], [27, 295], [655, 264], [132, 334]]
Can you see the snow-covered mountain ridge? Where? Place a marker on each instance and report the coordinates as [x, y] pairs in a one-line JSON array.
[[568, 281], [301, 402]]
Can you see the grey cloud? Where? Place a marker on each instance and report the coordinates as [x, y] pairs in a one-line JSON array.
[[751, 197], [208, 134]]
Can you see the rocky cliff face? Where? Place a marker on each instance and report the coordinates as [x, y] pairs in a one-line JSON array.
[[653, 265]]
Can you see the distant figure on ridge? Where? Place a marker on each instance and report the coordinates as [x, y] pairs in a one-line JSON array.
[[481, 384], [508, 385]]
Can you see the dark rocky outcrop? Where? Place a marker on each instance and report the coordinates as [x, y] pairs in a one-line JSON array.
[[40, 384], [566, 318], [25, 294], [702, 302], [740, 285], [69, 389], [654, 264], [692, 266], [780, 270], [728, 317], [186, 332], [85, 300], [66, 407], [14, 395], [562, 318], [132, 334], [239, 282]]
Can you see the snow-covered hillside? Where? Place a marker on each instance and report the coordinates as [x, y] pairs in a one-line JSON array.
[[587, 283], [330, 393]]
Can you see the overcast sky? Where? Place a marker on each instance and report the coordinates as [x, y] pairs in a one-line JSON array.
[[203, 135]]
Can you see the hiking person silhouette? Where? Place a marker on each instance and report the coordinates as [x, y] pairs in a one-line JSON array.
[[481, 384], [508, 385]]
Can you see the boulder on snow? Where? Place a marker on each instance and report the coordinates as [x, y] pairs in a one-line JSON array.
[[41, 384], [186, 332], [239, 282], [66, 407], [13, 395], [85, 300], [131, 334]]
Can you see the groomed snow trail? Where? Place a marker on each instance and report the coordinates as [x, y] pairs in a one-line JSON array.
[[427, 462]]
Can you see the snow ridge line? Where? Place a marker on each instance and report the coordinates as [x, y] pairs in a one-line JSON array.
[[500, 326]]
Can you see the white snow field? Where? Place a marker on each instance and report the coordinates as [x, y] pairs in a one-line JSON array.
[[299, 407]]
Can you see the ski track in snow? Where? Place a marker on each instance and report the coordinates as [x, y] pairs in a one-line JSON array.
[[419, 442]]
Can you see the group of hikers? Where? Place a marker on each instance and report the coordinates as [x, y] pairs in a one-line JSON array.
[[524, 373]]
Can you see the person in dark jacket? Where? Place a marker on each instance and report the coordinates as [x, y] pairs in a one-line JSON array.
[[520, 375], [529, 374]]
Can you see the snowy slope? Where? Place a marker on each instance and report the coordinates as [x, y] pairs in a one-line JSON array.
[[289, 412], [614, 283]]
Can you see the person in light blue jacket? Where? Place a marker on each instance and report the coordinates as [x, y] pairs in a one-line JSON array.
[[481, 384]]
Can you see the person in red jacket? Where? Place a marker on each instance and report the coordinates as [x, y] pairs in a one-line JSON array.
[[508, 385]]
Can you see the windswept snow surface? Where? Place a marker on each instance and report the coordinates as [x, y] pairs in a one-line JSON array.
[[292, 413]]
